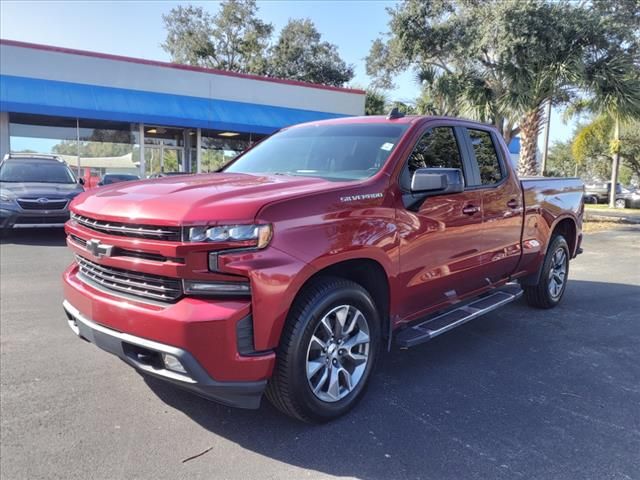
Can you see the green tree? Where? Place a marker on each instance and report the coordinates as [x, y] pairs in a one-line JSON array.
[[499, 61], [591, 147], [613, 81], [561, 162], [300, 54], [630, 149], [439, 95], [403, 107], [233, 39], [375, 102]]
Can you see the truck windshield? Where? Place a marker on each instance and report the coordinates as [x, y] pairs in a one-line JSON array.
[[25, 171], [333, 152]]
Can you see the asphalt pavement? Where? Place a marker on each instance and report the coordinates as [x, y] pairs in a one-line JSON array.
[[519, 393]]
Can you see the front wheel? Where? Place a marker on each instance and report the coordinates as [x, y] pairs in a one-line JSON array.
[[327, 351], [553, 279], [620, 203]]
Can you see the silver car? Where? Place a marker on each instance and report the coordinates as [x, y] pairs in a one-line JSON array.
[[35, 191]]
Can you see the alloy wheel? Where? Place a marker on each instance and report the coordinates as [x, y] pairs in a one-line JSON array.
[[558, 272], [338, 353]]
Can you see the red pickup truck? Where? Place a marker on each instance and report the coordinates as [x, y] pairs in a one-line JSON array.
[[289, 271]]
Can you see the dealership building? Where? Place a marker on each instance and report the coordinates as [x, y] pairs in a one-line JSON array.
[[107, 113]]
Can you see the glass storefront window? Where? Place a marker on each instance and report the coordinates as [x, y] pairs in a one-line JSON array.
[[104, 147], [108, 147], [218, 148], [40, 134], [163, 149], [114, 147]]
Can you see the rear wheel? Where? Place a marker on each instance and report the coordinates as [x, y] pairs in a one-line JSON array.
[[553, 280], [620, 203], [327, 351]]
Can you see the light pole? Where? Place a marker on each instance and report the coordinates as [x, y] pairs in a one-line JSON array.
[[545, 151]]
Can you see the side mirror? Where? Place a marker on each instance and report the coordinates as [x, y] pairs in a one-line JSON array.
[[81, 181], [437, 181]]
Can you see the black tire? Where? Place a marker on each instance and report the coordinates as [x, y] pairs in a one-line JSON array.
[[289, 390], [540, 295]]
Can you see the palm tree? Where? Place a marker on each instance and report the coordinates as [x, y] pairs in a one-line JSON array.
[[612, 80]]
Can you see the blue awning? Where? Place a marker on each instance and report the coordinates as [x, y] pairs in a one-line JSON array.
[[48, 97]]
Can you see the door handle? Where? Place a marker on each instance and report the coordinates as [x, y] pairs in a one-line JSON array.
[[513, 203], [470, 210]]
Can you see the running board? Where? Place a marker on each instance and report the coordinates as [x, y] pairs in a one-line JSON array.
[[432, 327]]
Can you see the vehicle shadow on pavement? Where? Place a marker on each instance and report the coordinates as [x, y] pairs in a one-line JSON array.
[[519, 393], [45, 237]]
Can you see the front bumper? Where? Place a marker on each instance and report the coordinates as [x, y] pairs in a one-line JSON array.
[[205, 330], [19, 218], [144, 355]]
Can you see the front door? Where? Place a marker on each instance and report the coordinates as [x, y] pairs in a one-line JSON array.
[[164, 149], [439, 258]]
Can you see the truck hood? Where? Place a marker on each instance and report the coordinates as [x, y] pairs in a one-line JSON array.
[[40, 189], [193, 199]]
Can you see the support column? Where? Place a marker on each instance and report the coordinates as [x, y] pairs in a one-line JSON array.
[[199, 150], [5, 147], [80, 175], [142, 166]]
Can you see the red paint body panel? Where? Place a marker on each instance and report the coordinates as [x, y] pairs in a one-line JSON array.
[[433, 256]]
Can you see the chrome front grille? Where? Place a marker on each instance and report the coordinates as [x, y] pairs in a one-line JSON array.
[[153, 287], [124, 252], [43, 203], [130, 229]]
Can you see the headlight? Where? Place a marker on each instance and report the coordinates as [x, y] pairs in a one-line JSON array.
[[5, 197], [257, 236]]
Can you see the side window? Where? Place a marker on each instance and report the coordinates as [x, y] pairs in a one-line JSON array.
[[486, 156], [437, 148]]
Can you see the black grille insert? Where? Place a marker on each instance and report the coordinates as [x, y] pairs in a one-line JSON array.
[[142, 285], [129, 229], [43, 203]]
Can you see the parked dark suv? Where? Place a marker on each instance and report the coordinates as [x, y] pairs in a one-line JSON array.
[[35, 191]]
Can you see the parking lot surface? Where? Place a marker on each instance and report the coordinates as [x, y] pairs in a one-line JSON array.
[[519, 393]]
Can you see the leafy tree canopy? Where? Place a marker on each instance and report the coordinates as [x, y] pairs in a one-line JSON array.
[[300, 54], [375, 102], [499, 61], [233, 39], [592, 150]]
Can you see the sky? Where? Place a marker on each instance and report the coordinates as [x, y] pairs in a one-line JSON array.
[[135, 29]]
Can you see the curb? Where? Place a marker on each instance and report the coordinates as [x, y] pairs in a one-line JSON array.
[[630, 220]]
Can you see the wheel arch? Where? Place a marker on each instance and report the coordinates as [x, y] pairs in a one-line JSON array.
[[568, 228], [366, 272]]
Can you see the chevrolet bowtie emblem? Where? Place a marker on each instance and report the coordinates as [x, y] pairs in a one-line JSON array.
[[98, 249]]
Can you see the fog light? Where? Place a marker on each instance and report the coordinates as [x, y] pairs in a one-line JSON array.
[[172, 363]]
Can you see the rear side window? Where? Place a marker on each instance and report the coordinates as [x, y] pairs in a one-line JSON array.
[[437, 148], [486, 156]]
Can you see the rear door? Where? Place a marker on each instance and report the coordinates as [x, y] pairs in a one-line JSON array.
[[502, 210], [439, 256]]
